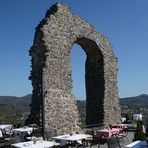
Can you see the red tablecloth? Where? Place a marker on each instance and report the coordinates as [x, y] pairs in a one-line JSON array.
[[107, 132]]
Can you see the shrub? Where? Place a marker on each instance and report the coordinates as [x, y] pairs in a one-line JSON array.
[[139, 134]]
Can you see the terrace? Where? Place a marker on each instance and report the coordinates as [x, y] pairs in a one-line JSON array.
[[92, 137]]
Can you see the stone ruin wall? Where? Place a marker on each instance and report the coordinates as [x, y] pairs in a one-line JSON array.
[[51, 72]]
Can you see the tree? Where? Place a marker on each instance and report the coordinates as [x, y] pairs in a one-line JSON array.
[[139, 134]]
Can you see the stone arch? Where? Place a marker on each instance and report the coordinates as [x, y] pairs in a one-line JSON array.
[[51, 72]]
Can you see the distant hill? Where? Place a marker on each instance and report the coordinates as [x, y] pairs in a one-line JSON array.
[[137, 100], [15, 103], [26, 100], [14, 109], [13, 99]]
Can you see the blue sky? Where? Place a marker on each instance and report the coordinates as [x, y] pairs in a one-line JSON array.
[[124, 22]]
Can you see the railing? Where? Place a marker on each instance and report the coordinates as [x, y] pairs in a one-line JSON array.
[[96, 125]]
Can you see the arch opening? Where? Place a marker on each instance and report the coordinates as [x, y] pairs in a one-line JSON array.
[[77, 62], [94, 81]]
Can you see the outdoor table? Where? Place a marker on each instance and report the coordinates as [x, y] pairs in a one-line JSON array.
[[107, 133], [137, 144], [4, 126], [38, 144], [1, 135], [72, 138], [23, 130]]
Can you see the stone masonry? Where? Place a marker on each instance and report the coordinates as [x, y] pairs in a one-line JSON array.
[[51, 73]]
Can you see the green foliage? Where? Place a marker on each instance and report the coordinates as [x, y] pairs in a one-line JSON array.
[[128, 116], [146, 131], [139, 134]]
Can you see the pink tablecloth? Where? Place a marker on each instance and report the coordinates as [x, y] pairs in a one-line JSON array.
[[107, 132]]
